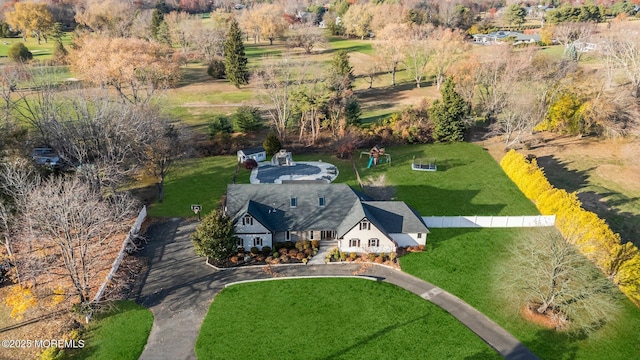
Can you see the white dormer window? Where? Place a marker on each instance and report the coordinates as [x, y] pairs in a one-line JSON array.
[[247, 220], [321, 201], [365, 225], [294, 202], [419, 235]]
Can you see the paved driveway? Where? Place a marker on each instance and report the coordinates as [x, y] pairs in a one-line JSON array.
[[178, 289]]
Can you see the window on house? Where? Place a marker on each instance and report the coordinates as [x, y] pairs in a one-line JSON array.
[[240, 243], [287, 235], [294, 202], [354, 243], [374, 242], [419, 235], [311, 235], [365, 225], [247, 220], [257, 241], [321, 201]]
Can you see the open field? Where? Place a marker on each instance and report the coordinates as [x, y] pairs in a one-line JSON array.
[[332, 319], [464, 262], [121, 334]]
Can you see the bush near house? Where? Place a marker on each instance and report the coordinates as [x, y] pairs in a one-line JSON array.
[[584, 229]]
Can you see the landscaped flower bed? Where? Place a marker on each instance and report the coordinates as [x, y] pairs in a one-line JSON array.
[[284, 253], [389, 259]]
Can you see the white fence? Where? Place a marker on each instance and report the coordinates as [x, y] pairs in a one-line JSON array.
[[135, 229], [489, 221]]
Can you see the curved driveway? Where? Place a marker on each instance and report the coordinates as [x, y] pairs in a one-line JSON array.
[[178, 289]]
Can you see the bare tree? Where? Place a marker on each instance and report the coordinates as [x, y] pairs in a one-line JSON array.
[[447, 46], [163, 144], [547, 275], [389, 46], [306, 36], [113, 18], [79, 225], [620, 51], [417, 51], [275, 81], [573, 35]]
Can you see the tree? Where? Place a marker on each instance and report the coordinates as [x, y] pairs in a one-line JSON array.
[[247, 119], [235, 60], [19, 53], [220, 124], [416, 52], [515, 14], [78, 227], [306, 36], [30, 18], [389, 48], [449, 114], [271, 144], [270, 20], [621, 53], [573, 36], [547, 275], [357, 20], [341, 72], [276, 80], [447, 47], [165, 144], [157, 19], [135, 68], [215, 237], [113, 18]]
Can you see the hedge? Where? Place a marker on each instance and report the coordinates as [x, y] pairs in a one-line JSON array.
[[591, 235]]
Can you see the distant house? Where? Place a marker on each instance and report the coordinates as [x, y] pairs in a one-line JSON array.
[[499, 37], [257, 153], [264, 214]]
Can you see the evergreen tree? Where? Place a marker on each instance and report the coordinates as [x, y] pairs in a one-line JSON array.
[[156, 19], [271, 144], [235, 61], [448, 115], [215, 237], [341, 71]]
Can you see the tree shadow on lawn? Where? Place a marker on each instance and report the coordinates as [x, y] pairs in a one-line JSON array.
[[604, 204], [551, 344], [432, 201], [372, 337]]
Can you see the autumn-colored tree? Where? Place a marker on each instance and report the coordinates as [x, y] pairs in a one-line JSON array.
[[113, 18], [447, 46], [20, 299], [357, 20], [135, 68], [31, 19], [306, 36], [417, 51], [389, 48], [271, 21]]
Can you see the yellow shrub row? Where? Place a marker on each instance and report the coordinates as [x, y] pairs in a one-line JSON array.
[[590, 234]]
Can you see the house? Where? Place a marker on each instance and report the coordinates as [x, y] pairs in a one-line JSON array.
[[499, 37], [257, 153], [264, 214]]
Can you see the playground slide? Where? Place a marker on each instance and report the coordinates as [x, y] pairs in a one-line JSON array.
[[370, 163]]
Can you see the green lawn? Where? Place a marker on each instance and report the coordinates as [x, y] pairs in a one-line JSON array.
[[120, 335], [464, 262], [332, 319], [363, 46], [197, 181], [42, 51], [468, 181]]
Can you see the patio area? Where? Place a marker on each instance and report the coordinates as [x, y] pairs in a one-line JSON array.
[[267, 173]]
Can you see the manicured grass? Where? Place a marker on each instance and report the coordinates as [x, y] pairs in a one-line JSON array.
[[468, 181], [363, 46], [119, 335], [332, 319], [464, 262], [196, 181]]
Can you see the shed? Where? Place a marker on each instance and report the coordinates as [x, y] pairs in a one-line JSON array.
[[257, 153]]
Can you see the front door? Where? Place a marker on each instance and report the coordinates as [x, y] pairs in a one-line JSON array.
[[327, 235]]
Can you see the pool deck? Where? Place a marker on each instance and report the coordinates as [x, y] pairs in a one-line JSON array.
[[327, 172]]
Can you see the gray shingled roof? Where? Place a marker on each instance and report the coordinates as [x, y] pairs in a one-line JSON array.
[[344, 208], [307, 215]]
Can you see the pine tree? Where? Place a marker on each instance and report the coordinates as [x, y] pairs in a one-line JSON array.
[[235, 61], [448, 115], [156, 19], [342, 72]]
